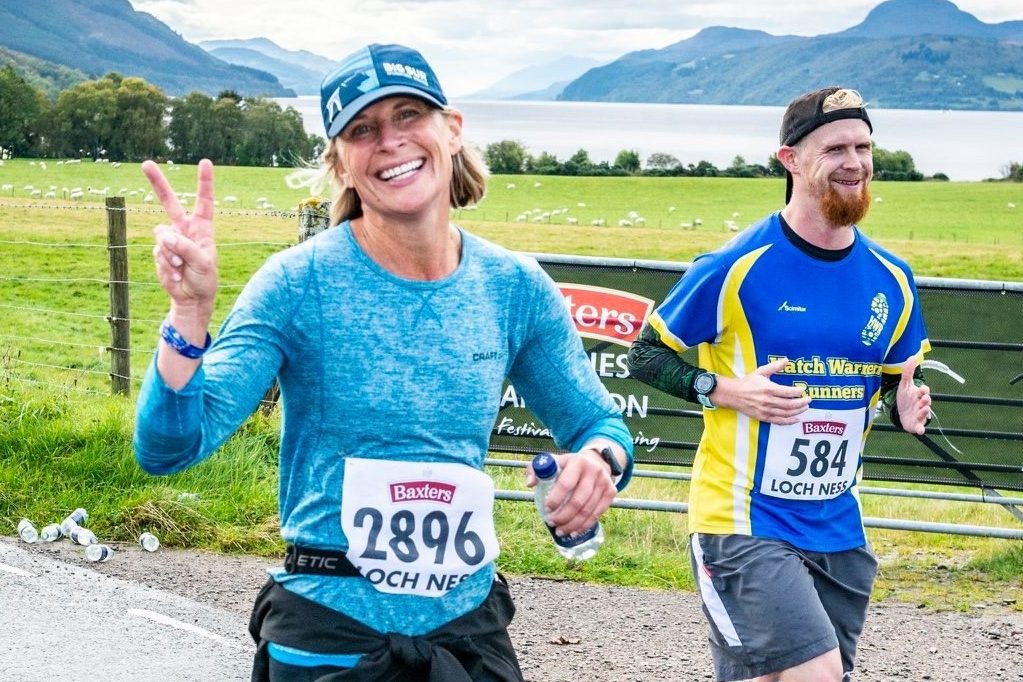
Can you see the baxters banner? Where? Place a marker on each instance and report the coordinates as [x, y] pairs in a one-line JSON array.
[[608, 303]]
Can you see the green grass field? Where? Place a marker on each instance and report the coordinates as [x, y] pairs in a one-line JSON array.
[[965, 230], [65, 443]]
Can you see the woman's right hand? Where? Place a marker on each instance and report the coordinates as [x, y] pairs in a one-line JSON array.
[[185, 253]]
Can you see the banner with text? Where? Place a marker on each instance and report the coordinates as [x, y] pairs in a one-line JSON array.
[[976, 329]]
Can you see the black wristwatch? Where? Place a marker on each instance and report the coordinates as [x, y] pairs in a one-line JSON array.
[[703, 386], [608, 455]]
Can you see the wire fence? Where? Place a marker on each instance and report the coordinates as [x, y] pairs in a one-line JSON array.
[[55, 293]]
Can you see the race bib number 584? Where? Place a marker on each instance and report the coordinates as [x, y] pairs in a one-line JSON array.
[[816, 458], [417, 527]]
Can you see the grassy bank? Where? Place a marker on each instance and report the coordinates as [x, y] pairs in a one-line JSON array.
[[59, 452]]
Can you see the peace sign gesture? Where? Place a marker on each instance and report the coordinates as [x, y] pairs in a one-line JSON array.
[[185, 253]]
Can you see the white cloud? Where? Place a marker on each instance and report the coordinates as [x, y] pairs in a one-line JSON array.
[[474, 43]]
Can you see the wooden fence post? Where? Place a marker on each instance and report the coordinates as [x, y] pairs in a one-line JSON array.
[[120, 318]]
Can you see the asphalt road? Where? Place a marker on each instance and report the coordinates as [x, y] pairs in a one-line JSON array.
[[61, 622], [181, 614]]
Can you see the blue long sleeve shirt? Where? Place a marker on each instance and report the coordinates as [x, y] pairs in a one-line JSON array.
[[375, 366]]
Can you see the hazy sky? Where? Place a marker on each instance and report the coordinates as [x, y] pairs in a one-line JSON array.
[[474, 43]]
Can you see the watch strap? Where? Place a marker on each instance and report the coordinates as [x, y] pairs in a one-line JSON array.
[[608, 455], [705, 401]]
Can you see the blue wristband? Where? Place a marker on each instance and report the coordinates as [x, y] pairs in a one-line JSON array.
[[176, 341]]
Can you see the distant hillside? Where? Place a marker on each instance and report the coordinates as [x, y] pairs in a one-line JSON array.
[[911, 54], [300, 70], [899, 18], [42, 75], [542, 81], [99, 36]]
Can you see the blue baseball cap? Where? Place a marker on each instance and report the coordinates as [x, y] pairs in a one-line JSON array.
[[373, 73]]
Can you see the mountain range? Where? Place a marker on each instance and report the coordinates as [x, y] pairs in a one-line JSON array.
[[299, 70], [95, 37], [539, 82], [302, 70], [916, 54]]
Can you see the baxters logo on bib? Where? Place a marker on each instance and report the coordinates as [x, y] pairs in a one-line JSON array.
[[606, 314], [422, 491], [824, 427]]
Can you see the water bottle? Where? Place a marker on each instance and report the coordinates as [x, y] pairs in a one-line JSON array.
[[578, 547], [51, 532], [83, 536], [149, 542], [98, 553], [75, 518], [27, 531]]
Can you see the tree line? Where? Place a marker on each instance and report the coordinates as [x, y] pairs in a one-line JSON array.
[[122, 118], [510, 157]]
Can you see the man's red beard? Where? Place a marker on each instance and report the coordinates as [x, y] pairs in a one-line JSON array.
[[841, 210]]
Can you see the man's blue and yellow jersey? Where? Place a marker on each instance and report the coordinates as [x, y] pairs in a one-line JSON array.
[[841, 324]]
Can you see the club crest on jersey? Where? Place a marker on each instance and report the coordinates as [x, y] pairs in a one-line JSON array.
[[422, 491], [878, 317]]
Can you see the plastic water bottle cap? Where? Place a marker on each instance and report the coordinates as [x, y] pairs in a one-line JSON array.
[[149, 542], [545, 466]]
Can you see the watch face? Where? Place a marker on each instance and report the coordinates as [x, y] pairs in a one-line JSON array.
[[704, 383]]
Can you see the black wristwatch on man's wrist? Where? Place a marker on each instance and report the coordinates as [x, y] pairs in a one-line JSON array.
[[703, 385]]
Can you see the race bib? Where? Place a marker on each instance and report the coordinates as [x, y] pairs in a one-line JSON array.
[[417, 527], [816, 458]]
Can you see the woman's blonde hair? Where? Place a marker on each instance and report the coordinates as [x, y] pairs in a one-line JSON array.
[[468, 180]]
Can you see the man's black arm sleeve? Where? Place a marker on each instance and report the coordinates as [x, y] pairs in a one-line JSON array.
[[654, 363], [890, 391]]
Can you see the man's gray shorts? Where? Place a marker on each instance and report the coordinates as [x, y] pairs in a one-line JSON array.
[[772, 606]]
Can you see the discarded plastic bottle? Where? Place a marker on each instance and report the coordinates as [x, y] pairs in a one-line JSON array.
[[149, 542], [75, 518], [98, 553], [27, 531], [83, 536], [51, 532], [577, 547]]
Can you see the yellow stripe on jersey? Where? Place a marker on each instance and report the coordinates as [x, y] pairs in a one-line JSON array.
[[907, 310], [667, 338], [726, 459]]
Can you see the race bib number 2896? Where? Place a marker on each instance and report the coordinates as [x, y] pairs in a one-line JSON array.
[[417, 527]]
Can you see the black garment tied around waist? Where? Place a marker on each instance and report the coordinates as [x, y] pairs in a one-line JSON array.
[[473, 648]]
